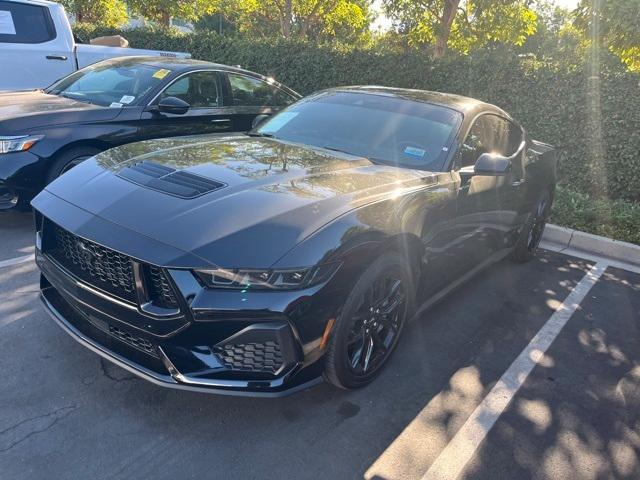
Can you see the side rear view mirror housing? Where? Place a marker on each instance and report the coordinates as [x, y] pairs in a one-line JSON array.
[[492, 164], [257, 120], [173, 105]]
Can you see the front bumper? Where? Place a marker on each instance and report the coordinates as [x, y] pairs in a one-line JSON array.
[[173, 378], [260, 344], [21, 177], [8, 197], [228, 342]]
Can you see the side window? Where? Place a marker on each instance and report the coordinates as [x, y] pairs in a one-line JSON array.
[[479, 140], [490, 134], [516, 136], [253, 92], [198, 89], [24, 23]]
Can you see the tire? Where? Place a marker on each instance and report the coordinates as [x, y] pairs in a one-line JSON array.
[[527, 243], [69, 159], [368, 324]]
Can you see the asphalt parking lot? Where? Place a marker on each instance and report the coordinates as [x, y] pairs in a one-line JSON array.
[[573, 413]]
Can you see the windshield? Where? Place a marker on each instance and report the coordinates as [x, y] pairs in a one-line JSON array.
[[110, 85], [385, 129]]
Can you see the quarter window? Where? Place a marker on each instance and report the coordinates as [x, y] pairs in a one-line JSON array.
[[253, 92], [23, 23], [198, 89]]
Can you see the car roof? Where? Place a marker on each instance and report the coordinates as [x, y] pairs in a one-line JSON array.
[[184, 64], [465, 105]]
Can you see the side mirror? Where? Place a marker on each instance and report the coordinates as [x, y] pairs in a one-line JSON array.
[[173, 105], [257, 120], [492, 164]]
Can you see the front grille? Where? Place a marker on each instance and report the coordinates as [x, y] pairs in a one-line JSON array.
[[96, 265], [160, 289], [106, 269], [251, 357], [136, 342]]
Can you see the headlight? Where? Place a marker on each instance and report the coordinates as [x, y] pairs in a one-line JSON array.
[[18, 144], [246, 279]]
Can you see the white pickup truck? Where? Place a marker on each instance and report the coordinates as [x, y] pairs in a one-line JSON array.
[[37, 46]]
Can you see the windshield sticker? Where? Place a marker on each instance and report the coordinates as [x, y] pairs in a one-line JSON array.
[[160, 74], [127, 99], [277, 122], [414, 152], [115, 105], [6, 23]]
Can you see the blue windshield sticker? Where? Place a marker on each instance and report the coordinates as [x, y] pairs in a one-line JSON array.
[[414, 152], [277, 122]]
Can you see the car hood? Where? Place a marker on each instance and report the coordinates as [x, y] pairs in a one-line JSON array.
[[266, 195], [20, 111]]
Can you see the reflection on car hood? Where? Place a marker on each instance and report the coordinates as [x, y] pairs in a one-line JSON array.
[[267, 195]]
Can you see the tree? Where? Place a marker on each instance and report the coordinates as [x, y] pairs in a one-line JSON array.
[[462, 25], [110, 13], [613, 24], [298, 18], [162, 11]]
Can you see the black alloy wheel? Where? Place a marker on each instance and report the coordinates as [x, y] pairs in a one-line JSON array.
[[371, 322], [376, 325], [531, 234]]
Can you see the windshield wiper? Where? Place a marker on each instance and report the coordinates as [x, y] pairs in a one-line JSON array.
[[72, 97], [336, 149], [259, 134]]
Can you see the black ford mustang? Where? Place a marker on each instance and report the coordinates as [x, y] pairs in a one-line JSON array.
[[258, 264], [45, 133]]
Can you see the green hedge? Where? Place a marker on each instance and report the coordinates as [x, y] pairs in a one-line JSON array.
[[551, 97], [619, 219]]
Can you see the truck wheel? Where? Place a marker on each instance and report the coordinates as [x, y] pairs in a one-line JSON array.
[[69, 159], [531, 233]]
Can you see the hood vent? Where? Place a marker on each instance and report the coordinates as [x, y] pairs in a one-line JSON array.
[[169, 180]]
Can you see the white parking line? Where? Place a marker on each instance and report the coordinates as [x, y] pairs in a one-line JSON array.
[[16, 261], [453, 459]]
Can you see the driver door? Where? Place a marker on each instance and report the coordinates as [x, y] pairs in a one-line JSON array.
[[486, 204], [203, 91]]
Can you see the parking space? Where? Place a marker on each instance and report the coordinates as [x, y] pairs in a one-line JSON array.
[[64, 413], [16, 235]]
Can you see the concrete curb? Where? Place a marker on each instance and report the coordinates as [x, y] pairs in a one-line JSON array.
[[566, 238]]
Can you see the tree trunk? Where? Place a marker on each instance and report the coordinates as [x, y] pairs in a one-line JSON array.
[[287, 18], [165, 18], [444, 29]]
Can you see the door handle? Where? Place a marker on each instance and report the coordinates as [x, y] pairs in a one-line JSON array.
[[221, 120], [56, 57]]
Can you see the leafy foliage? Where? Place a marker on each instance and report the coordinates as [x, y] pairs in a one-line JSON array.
[[161, 11], [110, 13], [614, 24], [618, 219], [462, 25], [298, 18]]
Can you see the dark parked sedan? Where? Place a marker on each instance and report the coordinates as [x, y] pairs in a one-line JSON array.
[[260, 263], [45, 133]]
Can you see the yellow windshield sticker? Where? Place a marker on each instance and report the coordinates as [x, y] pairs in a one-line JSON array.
[[160, 74]]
